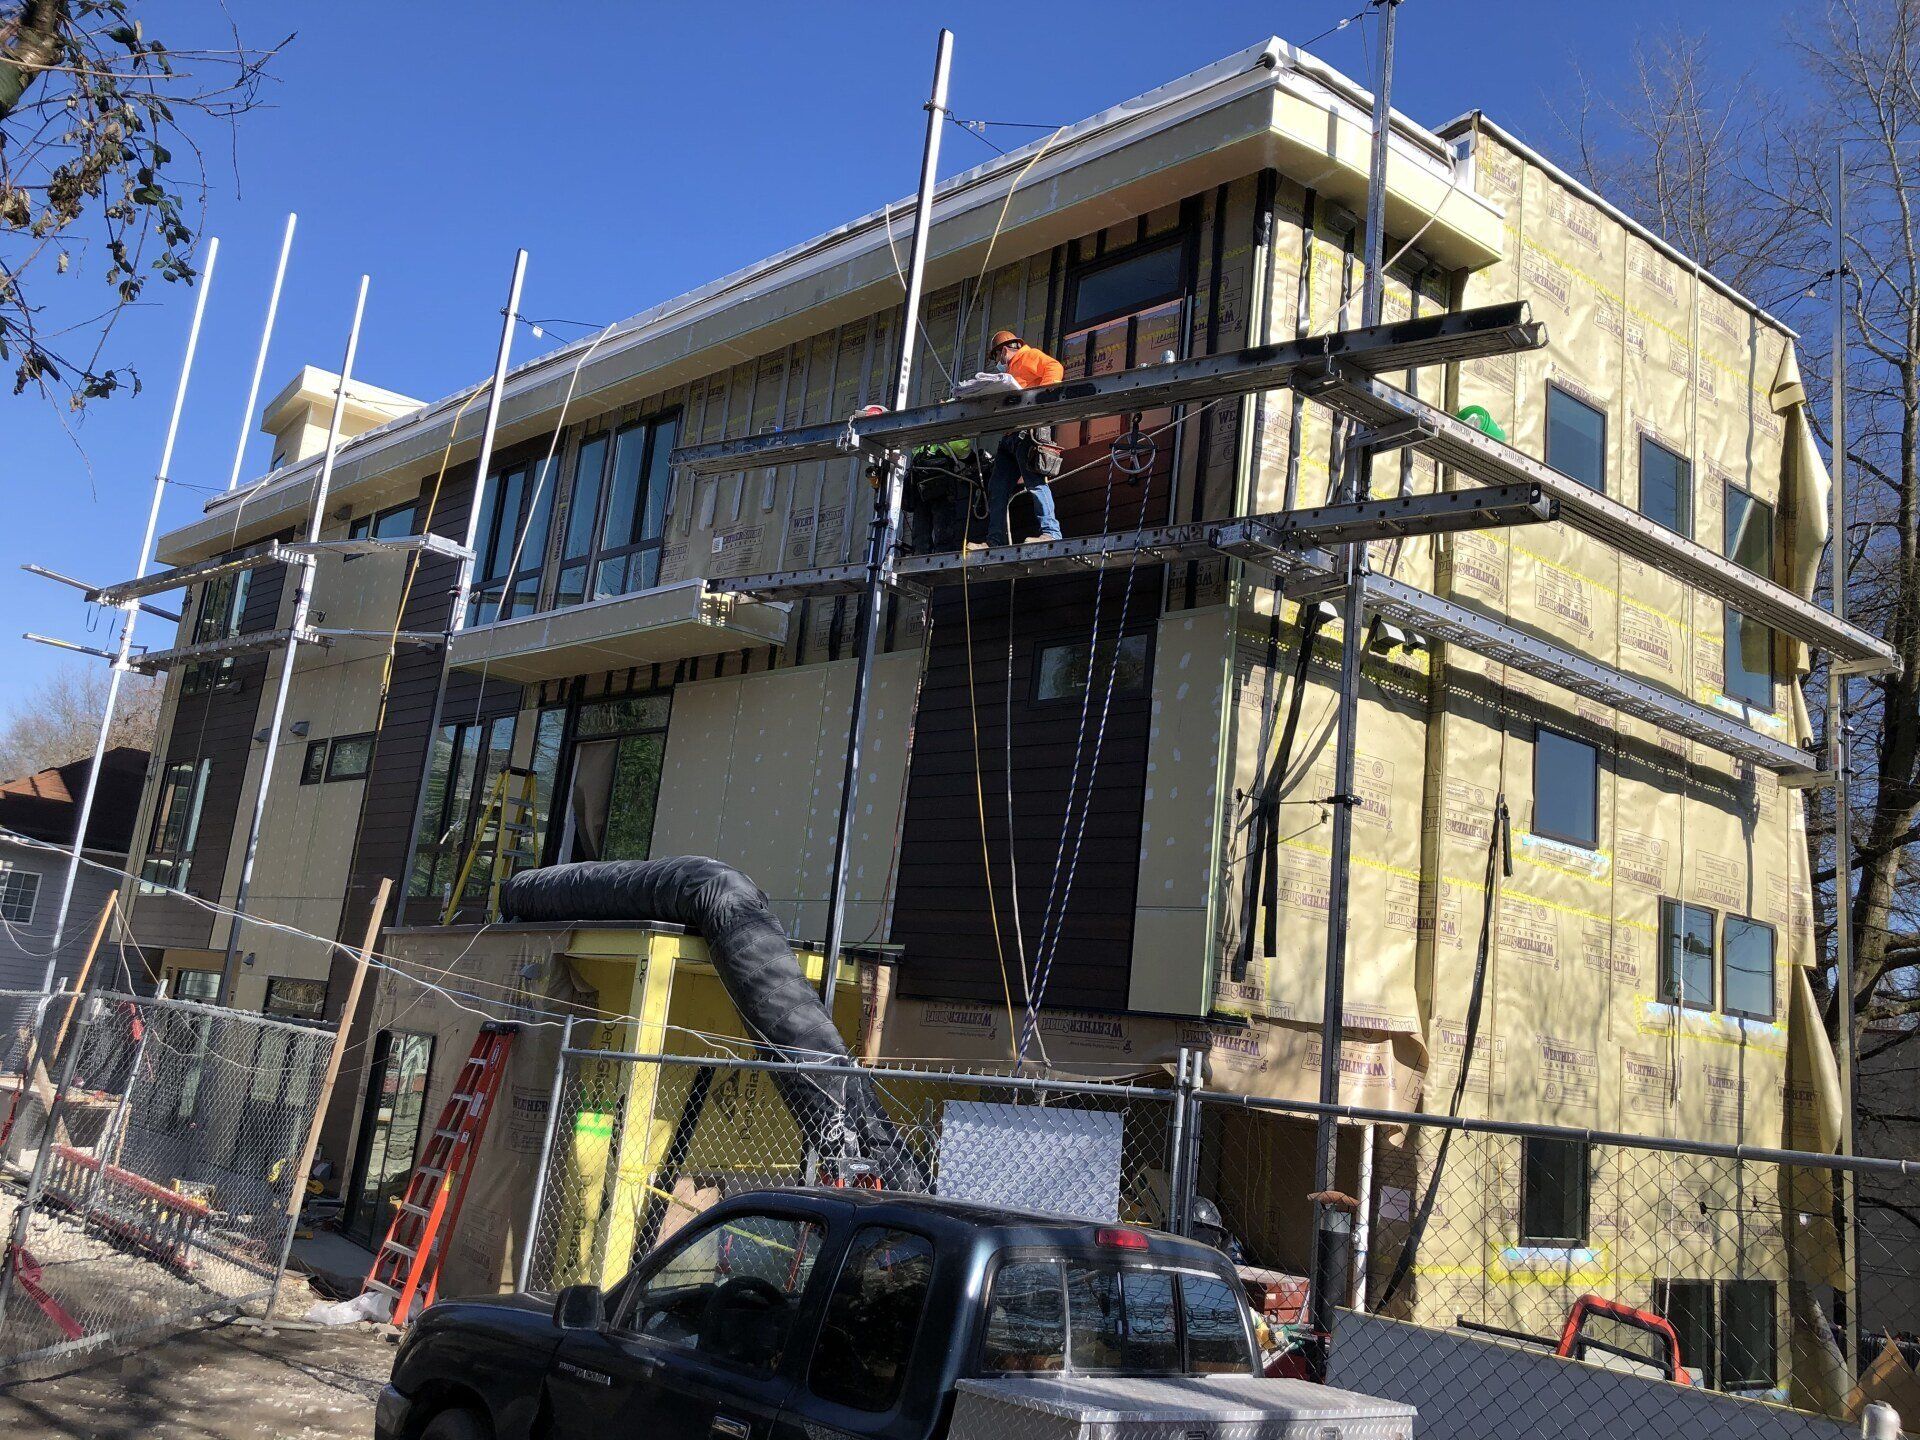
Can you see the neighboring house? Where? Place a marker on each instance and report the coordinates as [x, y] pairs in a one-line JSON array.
[[44, 806], [1644, 970]]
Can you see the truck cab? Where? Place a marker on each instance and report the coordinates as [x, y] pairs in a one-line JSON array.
[[793, 1314]]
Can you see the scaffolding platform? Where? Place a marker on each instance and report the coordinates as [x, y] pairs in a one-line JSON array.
[[1487, 331], [153, 662], [273, 552]]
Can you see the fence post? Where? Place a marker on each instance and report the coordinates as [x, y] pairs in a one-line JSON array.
[[546, 1155], [1179, 1193], [23, 1218], [297, 1189]]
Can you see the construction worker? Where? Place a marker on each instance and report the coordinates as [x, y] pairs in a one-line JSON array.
[[1026, 458]]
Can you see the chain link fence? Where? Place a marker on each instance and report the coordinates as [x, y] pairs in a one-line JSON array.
[[147, 1167], [1507, 1280]]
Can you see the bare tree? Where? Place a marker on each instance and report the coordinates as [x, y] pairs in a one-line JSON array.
[[101, 168], [59, 719]]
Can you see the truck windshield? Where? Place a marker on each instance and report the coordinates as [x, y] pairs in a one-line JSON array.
[[1102, 1318]]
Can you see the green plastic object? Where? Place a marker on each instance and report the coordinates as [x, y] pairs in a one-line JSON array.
[[1477, 416]]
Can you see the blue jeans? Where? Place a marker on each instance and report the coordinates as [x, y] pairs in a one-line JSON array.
[[1008, 475]]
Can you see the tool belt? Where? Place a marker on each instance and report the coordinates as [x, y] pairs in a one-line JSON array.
[[1040, 457]]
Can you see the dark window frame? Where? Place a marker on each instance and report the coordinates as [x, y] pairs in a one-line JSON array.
[[1180, 238], [1683, 490], [1668, 993], [9, 873], [278, 981], [1564, 393], [1710, 1371], [1732, 619], [1065, 640], [180, 855], [313, 764], [218, 618], [511, 596], [599, 551], [1773, 966], [1591, 842], [333, 754], [1583, 1202]]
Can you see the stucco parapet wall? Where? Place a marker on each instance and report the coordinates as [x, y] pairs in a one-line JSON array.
[[1269, 105], [671, 622]]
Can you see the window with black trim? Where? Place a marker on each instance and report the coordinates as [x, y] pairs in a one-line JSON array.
[[19, 893], [1566, 788], [176, 826], [1060, 670], [510, 542], [295, 998], [1686, 955], [351, 757], [1666, 486], [465, 760], [1576, 439], [1728, 1331], [1123, 309], [396, 522], [1748, 645], [313, 764], [218, 608], [618, 512], [1555, 1193], [872, 1319], [1746, 967]]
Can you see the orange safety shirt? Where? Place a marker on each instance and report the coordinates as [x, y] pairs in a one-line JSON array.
[[1034, 368]]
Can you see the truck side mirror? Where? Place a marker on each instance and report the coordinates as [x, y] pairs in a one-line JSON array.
[[580, 1307]]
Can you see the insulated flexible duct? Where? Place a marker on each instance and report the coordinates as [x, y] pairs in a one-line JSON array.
[[839, 1113]]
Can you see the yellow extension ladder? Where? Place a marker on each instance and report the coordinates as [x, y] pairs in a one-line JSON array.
[[513, 837]]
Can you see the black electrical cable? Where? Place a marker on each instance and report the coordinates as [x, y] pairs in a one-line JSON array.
[[1499, 849]]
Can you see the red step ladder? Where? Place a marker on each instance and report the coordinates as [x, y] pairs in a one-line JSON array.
[[427, 1213]]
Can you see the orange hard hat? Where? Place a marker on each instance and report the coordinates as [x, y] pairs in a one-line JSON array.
[[1005, 337]]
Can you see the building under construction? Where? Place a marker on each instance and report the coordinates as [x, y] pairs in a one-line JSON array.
[[1096, 793]]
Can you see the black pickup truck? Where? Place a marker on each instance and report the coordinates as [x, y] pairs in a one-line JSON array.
[[802, 1314]]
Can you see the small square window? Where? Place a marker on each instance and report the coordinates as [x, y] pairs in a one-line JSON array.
[[1060, 671], [1746, 976], [19, 892], [313, 765], [295, 998], [1686, 955], [201, 985], [1553, 1192], [351, 757], [1566, 789], [1666, 486], [1576, 439]]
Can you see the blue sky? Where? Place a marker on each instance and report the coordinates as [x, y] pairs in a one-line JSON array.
[[637, 150]]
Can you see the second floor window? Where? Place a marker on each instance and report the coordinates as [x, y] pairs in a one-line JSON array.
[[1666, 486], [1576, 439], [218, 610], [1566, 789], [1686, 955], [510, 543], [1748, 643], [176, 826], [618, 512]]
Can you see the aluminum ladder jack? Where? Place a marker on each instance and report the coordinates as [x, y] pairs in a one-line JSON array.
[[514, 789], [425, 1217]]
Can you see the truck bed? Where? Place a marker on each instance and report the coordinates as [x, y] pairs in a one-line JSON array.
[[1171, 1407]]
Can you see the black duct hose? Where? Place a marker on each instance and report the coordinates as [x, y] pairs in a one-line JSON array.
[[841, 1115]]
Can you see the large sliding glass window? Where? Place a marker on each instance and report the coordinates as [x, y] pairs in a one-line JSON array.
[[176, 826], [466, 758], [618, 748], [510, 544], [618, 512]]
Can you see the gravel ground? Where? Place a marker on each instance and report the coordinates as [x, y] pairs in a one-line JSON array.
[[219, 1382]]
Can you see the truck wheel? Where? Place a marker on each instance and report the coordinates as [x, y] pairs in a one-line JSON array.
[[455, 1425]]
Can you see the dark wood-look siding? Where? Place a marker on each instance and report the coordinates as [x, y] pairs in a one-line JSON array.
[[217, 726], [942, 918]]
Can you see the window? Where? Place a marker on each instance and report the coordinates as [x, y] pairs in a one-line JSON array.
[[200, 985], [176, 825], [1576, 439], [1566, 789], [1553, 1193], [1124, 309], [1666, 486], [295, 999], [1748, 644], [1726, 1331], [218, 610], [510, 542], [1686, 955], [1216, 1327], [618, 750], [313, 765], [618, 512], [391, 524], [1746, 976], [1060, 670], [19, 891], [730, 1292], [466, 758], [1110, 287], [872, 1320], [1092, 1316], [351, 757]]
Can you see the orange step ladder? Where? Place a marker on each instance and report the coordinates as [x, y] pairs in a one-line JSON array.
[[425, 1216]]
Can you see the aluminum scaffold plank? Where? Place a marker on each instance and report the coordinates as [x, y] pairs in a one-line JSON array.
[[434, 547], [257, 557], [1435, 339], [154, 661]]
